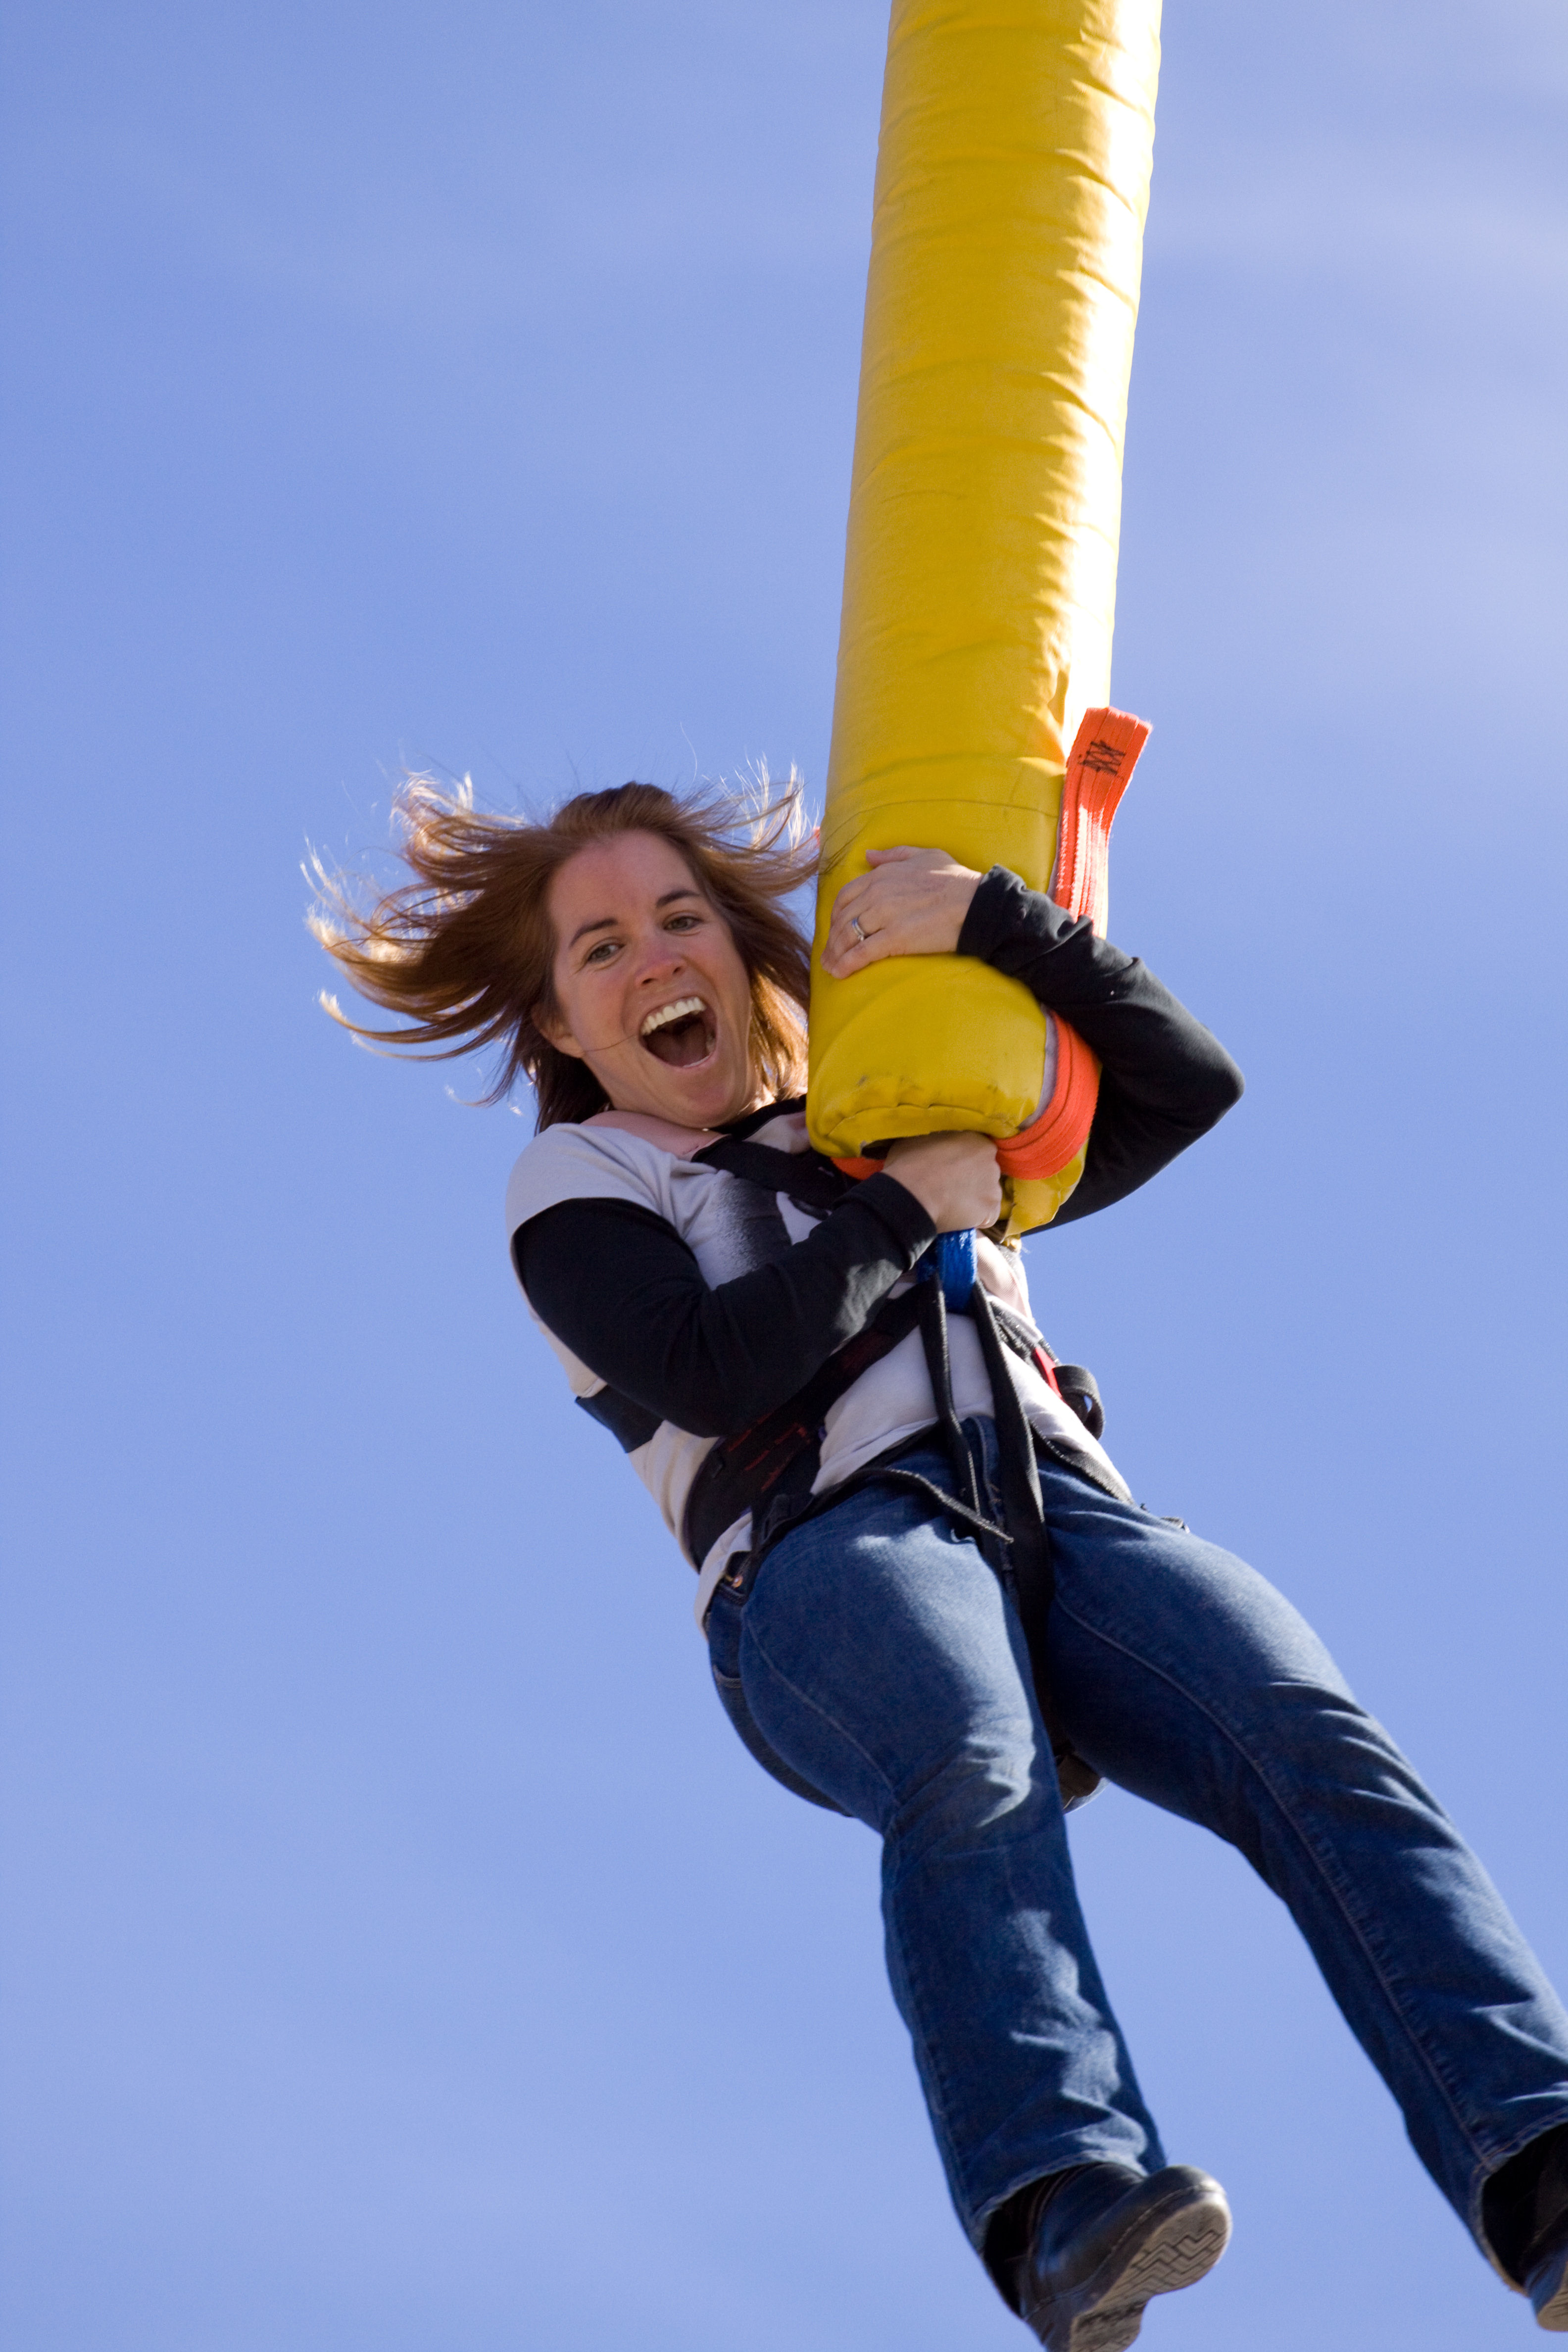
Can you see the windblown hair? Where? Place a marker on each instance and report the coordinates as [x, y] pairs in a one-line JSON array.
[[465, 951]]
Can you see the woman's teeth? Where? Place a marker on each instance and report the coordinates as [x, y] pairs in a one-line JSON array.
[[680, 1035], [682, 1007]]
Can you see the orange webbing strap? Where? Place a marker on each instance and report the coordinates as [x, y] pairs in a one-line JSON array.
[[1054, 1140], [1104, 753]]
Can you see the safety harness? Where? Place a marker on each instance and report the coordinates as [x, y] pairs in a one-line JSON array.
[[770, 1468]]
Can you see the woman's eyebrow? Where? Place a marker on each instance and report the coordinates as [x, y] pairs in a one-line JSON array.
[[607, 922]]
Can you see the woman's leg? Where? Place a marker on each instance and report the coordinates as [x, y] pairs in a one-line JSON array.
[[1183, 1676], [881, 1661]]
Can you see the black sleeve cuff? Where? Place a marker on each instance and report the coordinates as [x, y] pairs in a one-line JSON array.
[[896, 1208], [1003, 909]]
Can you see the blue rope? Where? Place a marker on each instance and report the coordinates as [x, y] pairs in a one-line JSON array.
[[951, 1261]]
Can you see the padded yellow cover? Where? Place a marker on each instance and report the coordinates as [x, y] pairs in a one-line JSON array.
[[980, 574]]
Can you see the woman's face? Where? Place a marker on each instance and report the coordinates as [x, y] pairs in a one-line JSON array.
[[652, 991]]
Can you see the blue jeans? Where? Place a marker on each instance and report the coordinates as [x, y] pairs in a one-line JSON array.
[[878, 1663]]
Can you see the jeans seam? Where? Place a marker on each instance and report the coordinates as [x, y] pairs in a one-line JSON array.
[[1319, 1862], [932, 2071], [820, 1712], [962, 2165]]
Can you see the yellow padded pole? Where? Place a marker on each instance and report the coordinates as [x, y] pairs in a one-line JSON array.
[[980, 572]]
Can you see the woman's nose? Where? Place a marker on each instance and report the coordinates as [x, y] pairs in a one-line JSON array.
[[660, 956]]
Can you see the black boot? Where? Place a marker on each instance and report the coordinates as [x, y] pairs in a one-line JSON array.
[[1098, 2241], [1526, 2215]]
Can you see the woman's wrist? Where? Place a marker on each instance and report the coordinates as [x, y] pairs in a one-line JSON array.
[[900, 1210]]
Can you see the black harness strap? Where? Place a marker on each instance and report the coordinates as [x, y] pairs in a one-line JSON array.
[[1034, 1581], [1081, 1391], [1021, 1506], [938, 1367], [793, 1503], [769, 1468], [742, 1472], [807, 1177]]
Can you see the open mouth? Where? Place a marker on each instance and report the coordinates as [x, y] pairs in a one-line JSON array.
[[680, 1035]]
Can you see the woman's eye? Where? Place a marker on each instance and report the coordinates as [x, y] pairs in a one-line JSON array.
[[683, 922], [602, 953]]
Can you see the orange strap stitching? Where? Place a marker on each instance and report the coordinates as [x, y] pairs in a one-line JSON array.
[[1104, 755]]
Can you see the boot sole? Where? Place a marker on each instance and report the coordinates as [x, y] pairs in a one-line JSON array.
[[1173, 2250], [1553, 2313]]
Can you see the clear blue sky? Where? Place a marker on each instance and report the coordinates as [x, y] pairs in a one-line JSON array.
[[401, 1954]]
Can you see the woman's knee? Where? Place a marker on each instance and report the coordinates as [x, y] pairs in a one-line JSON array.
[[1180, 1673], [992, 1782]]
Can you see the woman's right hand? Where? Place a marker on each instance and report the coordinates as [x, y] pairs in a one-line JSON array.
[[954, 1178]]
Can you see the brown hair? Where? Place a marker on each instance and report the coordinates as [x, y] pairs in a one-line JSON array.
[[465, 950]]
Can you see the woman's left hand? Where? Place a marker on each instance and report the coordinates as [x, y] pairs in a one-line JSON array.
[[912, 902]]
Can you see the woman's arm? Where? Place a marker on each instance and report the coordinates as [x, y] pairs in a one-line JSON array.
[[1165, 1078], [620, 1289]]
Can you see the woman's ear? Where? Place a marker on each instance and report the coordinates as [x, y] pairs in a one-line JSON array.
[[554, 1032]]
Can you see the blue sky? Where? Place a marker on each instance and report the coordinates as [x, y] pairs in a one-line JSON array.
[[401, 1952]]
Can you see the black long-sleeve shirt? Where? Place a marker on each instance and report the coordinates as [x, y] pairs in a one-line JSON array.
[[1165, 1078], [712, 1359]]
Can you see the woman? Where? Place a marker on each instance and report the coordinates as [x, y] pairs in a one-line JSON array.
[[753, 1327]]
